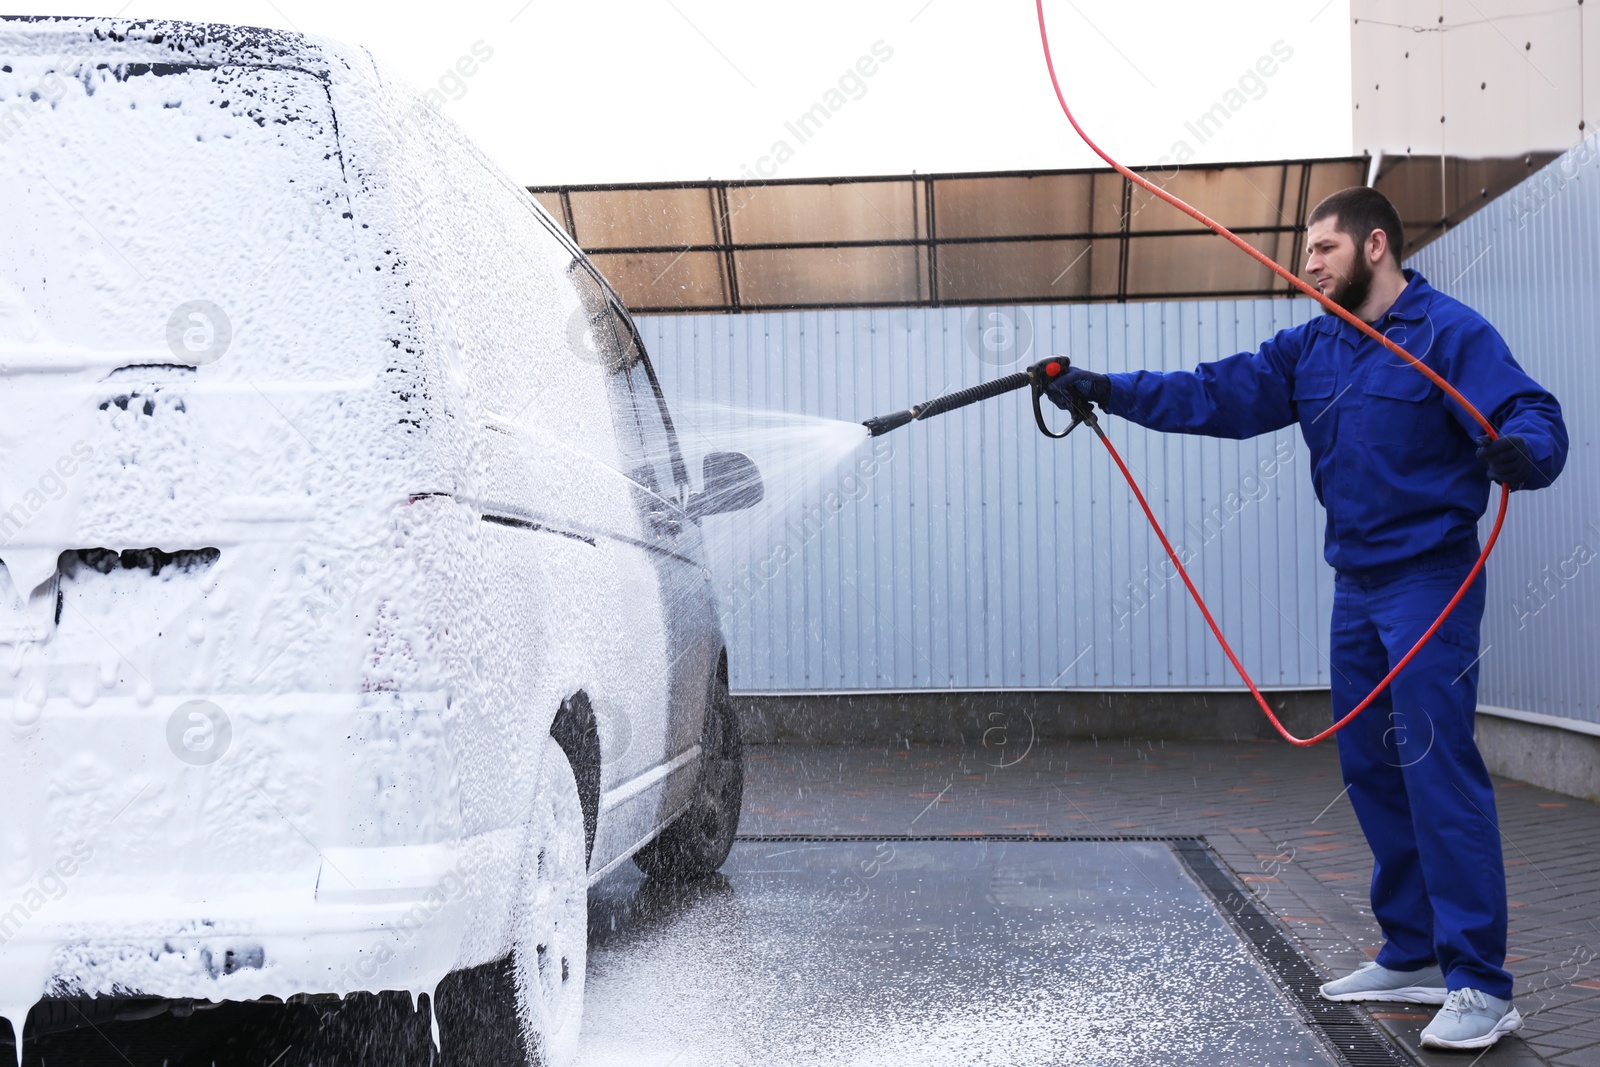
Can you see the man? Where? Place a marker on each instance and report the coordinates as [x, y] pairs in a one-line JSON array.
[[1404, 474]]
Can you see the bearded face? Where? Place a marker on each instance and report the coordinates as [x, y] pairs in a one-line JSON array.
[[1351, 290]]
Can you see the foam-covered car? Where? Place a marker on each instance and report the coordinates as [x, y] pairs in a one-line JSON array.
[[354, 611]]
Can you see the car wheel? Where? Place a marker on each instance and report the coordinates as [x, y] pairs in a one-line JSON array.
[[697, 841], [550, 950]]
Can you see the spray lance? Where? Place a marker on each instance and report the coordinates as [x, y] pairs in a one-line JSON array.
[[1037, 377]]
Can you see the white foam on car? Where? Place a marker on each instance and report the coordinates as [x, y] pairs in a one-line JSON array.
[[345, 268]]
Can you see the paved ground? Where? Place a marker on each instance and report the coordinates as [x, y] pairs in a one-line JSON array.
[[1276, 814], [947, 953]]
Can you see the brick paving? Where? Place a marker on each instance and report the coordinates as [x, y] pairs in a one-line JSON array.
[[1275, 814]]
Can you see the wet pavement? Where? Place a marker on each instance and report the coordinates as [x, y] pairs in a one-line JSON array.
[[1277, 817], [930, 952]]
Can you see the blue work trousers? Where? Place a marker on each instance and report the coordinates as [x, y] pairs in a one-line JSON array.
[[1417, 781]]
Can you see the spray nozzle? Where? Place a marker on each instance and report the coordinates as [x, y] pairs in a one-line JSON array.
[[879, 425]]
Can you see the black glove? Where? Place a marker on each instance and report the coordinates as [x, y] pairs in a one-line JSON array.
[[1508, 459], [1083, 384]]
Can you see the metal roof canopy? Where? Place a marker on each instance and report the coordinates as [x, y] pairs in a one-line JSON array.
[[942, 239]]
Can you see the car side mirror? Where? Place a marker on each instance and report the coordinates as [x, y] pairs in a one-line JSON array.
[[732, 483]]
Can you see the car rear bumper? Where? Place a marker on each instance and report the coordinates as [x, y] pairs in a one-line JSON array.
[[397, 918], [314, 844]]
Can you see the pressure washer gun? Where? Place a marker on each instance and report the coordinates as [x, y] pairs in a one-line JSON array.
[[1037, 377]]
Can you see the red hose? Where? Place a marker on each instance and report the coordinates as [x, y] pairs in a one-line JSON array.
[[1315, 294]]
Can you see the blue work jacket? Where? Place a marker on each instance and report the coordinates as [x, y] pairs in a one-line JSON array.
[[1392, 458]]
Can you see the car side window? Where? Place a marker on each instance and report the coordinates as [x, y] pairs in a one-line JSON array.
[[594, 335], [589, 330], [659, 448], [680, 470], [599, 330]]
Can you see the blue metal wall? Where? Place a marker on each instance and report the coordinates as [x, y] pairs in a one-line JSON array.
[[975, 554], [1530, 262]]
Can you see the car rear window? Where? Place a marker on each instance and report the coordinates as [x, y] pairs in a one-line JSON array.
[[170, 213]]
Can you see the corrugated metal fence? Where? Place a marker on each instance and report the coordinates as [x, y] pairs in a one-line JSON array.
[[1530, 262], [972, 553]]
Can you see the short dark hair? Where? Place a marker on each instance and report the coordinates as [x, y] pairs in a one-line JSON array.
[[1358, 211]]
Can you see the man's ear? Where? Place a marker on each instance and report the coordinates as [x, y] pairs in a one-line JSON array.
[[1377, 246]]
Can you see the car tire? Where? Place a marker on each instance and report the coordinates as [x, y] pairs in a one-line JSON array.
[[696, 843], [549, 953]]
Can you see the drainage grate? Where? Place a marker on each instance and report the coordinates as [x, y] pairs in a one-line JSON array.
[[1349, 1035], [1104, 839], [1354, 1038]]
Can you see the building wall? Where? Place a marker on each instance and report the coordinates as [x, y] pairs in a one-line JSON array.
[[1474, 80], [1531, 264], [972, 553]]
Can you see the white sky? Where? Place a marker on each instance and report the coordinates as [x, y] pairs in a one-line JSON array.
[[647, 90]]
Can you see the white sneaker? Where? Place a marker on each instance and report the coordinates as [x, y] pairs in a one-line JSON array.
[[1470, 1019], [1372, 982]]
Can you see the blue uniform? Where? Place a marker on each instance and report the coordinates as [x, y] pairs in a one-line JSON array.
[[1393, 462]]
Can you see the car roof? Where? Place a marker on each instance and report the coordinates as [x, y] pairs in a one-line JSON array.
[[173, 43]]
